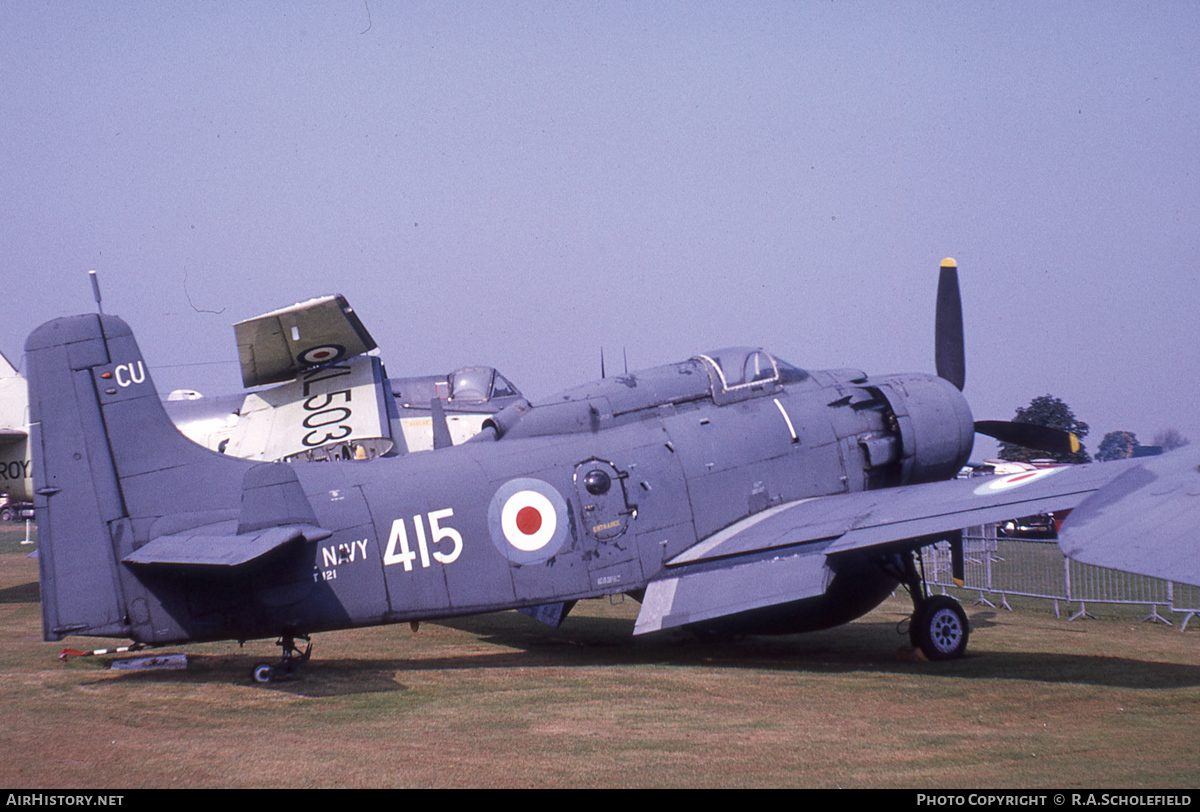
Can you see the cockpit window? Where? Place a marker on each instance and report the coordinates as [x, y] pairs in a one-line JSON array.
[[741, 367], [502, 388], [480, 384], [758, 367], [789, 373], [737, 373], [471, 384]]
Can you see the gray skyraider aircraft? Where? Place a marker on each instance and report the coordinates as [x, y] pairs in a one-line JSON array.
[[728, 492]]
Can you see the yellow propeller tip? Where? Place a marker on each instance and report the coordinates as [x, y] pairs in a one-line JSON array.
[[949, 262]]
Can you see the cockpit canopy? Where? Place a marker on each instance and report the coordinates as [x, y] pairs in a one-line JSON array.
[[736, 373], [729, 375], [467, 389], [479, 384]]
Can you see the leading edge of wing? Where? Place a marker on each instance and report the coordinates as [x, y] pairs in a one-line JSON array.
[[874, 518], [1143, 521]]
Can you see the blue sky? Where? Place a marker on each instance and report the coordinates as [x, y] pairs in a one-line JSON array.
[[519, 184]]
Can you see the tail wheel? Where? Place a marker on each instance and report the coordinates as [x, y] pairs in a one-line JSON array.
[[288, 664], [940, 628]]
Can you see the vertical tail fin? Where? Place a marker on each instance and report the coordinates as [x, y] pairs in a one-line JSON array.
[[107, 463]]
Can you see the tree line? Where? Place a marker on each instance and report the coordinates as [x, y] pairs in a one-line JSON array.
[[1047, 410]]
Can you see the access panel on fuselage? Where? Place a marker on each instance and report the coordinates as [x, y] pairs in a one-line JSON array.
[[738, 459], [347, 567], [536, 519], [660, 519], [424, 530]]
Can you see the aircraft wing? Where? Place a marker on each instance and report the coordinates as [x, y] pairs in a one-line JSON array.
[[782, 554], [1144, 521], [279, 345]]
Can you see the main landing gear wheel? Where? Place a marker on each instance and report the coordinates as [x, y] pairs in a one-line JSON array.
[[938, 625], [940, 629]]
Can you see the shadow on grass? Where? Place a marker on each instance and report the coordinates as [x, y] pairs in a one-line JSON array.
[[21, 593], [589, 642], [857, 647], [324, 678]]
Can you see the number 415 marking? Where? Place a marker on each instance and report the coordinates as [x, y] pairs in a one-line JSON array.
[[437, 533]]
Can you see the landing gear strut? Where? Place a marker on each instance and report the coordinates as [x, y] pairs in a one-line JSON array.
[[938, 625], [288, 664]]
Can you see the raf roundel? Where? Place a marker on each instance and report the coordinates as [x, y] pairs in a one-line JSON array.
[[528, 521], [323, 354], [1005, 483]]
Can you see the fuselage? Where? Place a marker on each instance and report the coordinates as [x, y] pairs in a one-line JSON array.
[[589, 493]]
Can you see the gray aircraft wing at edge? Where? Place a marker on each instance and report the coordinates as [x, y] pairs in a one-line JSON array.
[[1144, 521]]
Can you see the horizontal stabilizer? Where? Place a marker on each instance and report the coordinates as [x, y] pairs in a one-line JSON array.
[[209, 547], [274, 513], [272, 497]]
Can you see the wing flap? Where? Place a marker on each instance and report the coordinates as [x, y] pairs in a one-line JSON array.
[[702, 594]]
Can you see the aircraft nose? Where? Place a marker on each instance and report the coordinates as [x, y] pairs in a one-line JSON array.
[[936, 427]]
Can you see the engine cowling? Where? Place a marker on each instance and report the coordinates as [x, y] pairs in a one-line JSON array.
[[934, 422]]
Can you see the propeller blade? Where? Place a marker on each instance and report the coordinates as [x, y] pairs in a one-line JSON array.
[[1030, 435], [950, 355]]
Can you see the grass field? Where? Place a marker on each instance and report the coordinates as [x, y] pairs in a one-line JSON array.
[[501, 701]]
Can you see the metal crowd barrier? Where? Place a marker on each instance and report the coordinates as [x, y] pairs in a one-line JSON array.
[[1037, 569]]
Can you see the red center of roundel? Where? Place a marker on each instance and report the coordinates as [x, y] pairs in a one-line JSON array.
[[529, 520]]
